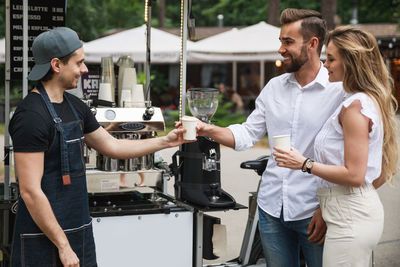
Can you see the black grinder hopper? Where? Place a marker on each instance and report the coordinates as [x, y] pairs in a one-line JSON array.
[[196, 165]]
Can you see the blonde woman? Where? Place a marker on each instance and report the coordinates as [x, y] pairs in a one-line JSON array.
[[356, 150]]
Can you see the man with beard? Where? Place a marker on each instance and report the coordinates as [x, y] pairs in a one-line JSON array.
[[296, 103]]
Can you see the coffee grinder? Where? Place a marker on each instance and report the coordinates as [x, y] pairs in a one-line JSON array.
[[197, 171]]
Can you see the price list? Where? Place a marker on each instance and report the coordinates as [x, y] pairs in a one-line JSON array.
[[42, 15]]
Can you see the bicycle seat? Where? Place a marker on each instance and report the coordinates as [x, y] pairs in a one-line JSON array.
[[258, 165]]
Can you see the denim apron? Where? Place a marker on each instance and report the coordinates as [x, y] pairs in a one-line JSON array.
[[64, 184]]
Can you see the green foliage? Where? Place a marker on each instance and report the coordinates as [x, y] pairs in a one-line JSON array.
[[370, 11], [239, 12], [92, 18], [2, 17], [158, 82], [304, 4]]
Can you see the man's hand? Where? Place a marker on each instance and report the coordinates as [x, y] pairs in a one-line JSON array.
[[68, 257], [317, 228], [221, 135], [201, 127]]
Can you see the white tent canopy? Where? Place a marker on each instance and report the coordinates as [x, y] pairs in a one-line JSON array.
[[259, 42], [164, 47]]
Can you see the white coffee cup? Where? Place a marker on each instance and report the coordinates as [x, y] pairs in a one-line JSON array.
[[282, 141], [105, 92], [189, 123], [126, 98], [138, 96]]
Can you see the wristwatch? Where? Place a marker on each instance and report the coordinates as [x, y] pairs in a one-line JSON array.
[[309, 165]]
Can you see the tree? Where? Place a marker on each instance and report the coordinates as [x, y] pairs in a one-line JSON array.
[[274, 9], [328, 11], [161, 13]]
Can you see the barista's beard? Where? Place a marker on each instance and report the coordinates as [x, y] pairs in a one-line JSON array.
[[297, 62]]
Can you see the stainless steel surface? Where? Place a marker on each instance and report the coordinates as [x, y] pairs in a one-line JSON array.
[[101, 181], [104, 173], [112, 118], [145, 162], [110, 164]]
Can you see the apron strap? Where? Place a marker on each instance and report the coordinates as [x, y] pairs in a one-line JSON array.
[[63, 148]]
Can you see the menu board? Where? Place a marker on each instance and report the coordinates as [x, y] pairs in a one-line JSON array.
[[42, 15]]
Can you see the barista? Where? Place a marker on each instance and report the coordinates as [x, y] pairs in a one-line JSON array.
[[53, 225]]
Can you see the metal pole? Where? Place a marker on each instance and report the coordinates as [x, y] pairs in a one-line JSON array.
[[262, 74], [6, 134], [234, 76], [25, 49], [148, 37], [183, 59], [7, 106], [198, 259]]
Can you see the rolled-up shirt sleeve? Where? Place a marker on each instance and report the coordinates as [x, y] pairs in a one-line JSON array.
[[250, 132]]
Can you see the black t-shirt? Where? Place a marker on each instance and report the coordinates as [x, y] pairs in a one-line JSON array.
[[32, 128]]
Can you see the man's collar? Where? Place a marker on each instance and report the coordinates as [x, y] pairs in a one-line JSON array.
[[322, 78]]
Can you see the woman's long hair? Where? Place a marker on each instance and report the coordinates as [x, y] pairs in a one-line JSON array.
[[365, 71]]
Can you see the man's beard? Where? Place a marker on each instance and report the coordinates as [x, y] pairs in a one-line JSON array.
[[68, 84], [297, 62]]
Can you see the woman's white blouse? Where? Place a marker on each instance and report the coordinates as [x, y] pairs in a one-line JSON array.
[[329, 143]]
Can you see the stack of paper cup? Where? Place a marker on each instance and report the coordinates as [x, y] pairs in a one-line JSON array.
[[128, 82], [123, 63], [107, 74], [138, 96], [105, 92], [126, 98]]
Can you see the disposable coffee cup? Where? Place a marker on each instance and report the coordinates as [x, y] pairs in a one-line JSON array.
[[282, 142], [138, 96], [105, 92], [189, 123]]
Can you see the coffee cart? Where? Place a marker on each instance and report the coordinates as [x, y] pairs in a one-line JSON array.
[[145, 226]]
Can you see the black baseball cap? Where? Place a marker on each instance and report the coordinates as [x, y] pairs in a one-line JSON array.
[[55, 43]]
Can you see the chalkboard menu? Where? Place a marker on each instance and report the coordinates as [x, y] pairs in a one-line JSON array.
[[42, 15]]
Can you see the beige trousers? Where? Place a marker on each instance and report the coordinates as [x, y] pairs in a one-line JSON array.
[[354, 220]]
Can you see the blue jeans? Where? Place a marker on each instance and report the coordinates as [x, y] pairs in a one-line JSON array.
[[282, 241]]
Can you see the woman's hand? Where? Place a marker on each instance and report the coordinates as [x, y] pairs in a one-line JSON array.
[[292, 159]]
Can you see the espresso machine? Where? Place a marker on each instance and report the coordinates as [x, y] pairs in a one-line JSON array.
[[196, 165]]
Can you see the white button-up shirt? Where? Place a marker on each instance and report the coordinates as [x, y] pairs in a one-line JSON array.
[[284, 107]]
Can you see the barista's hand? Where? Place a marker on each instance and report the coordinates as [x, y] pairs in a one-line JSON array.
[[68, 257], [292, 159], [317, 228]]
